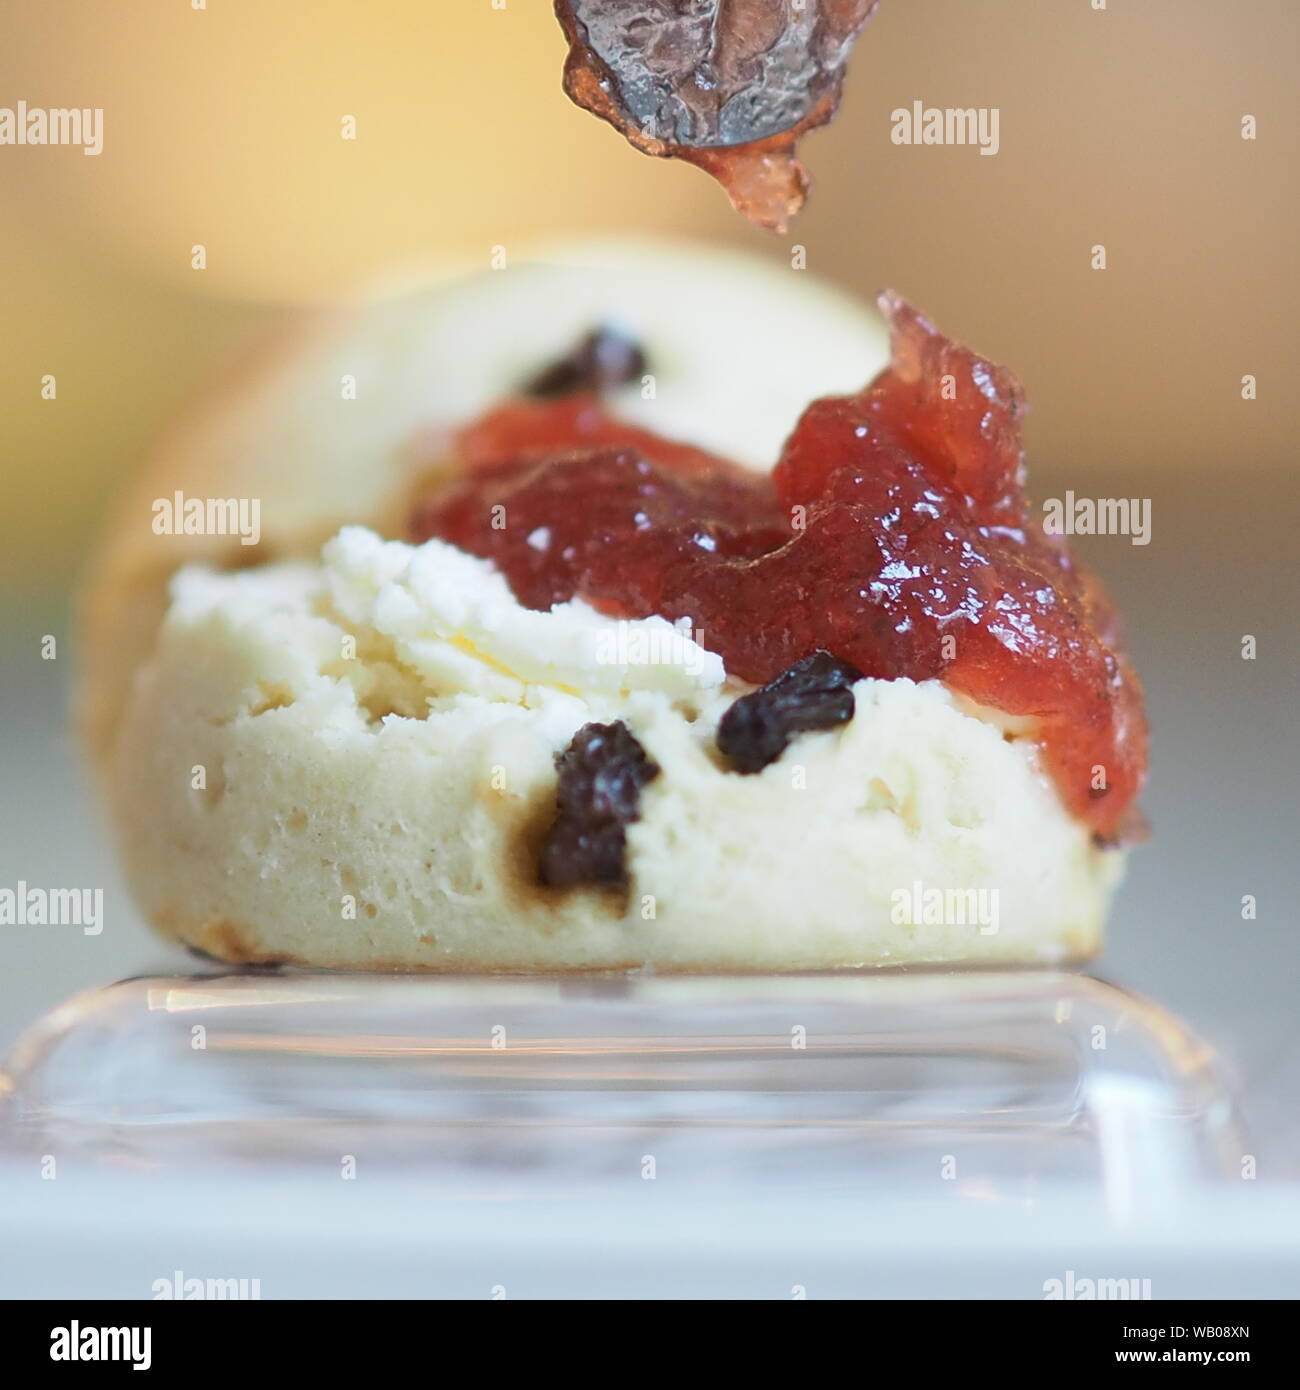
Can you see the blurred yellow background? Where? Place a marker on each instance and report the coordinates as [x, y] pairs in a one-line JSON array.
[[1119, 126]]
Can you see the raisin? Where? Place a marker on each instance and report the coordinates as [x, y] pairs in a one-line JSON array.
[[603, 359], [601, 774], [815, 693], [728, 85]]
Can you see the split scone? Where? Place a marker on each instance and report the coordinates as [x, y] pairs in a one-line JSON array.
[[597, 614]]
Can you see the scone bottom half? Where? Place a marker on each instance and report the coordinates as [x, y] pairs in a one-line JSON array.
[[579, 690]]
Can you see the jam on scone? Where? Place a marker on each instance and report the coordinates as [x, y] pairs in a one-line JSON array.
[[894, 537]]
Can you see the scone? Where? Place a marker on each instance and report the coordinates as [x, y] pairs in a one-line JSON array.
[[537, 663]]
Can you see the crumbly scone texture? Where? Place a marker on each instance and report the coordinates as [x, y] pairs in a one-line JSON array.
[[351, 764]]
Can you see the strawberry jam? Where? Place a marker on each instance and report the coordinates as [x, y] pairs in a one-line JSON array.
[[894, 534]]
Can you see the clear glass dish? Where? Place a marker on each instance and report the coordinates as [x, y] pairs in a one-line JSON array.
[[996, 1085]]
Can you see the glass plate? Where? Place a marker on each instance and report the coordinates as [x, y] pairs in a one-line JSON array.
[[983, 1085]]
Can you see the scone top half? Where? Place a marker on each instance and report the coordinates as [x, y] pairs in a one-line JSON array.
[[325, 740]]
